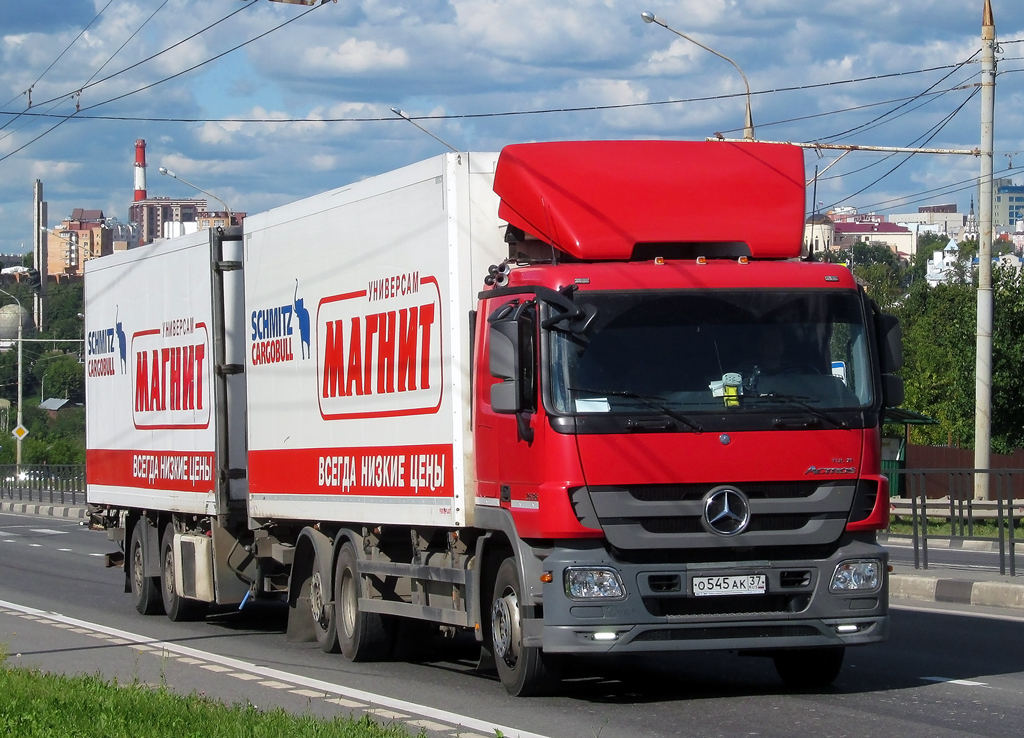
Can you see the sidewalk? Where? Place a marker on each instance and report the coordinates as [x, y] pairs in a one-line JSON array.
[[937, 584]]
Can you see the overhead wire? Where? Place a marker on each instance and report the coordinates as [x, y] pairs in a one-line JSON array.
[[59, 56], [937, 129]]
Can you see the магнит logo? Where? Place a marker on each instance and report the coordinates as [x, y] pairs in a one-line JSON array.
[[172, 379], [379, 349]]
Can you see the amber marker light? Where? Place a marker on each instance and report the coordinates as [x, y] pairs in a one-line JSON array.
[[546, 577]]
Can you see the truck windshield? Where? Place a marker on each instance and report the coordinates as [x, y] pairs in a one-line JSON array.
[[700, 352]]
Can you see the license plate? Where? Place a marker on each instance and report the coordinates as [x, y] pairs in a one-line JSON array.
[[745, 584]]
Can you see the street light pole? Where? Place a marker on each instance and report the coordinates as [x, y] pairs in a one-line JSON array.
[[169, 173], [983, 358], [748, 125]]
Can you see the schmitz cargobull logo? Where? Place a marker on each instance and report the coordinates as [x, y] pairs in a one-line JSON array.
[[379, 349], [171, 379], [105, 350]]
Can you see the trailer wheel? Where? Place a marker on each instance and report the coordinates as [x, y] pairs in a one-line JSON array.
[[145, 590], [524, 670], [363, 636], [323, 611], [809, 668], [179, 609]]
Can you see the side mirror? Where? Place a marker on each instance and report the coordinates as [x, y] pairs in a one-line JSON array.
[[511, 358], [892, 390], [890, 342]]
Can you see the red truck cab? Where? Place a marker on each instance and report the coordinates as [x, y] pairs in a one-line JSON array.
[[676, 415]]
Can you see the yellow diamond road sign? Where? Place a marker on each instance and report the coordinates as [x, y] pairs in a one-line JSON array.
[[20, 432]]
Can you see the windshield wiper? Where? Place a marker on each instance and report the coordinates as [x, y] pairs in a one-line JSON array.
[[652, 401], [801, 402]]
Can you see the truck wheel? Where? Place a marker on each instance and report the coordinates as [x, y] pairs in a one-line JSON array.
[[522, 669], [809, 668], [323, 611], [145, 590], [179, 609], [363, 636]]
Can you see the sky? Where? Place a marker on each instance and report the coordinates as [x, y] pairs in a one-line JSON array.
[[263, 103]]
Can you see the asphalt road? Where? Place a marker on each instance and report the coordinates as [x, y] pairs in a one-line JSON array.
[[943, 673]]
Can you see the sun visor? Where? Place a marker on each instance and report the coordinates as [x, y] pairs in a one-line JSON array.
[[597, 200]]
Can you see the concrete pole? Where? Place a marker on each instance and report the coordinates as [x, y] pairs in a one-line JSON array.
[[983, 365]]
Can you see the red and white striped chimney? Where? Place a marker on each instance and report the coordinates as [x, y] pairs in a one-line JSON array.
[[140, 169]]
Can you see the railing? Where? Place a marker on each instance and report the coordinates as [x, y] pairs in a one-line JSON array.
[[51, 483], [940, 503]]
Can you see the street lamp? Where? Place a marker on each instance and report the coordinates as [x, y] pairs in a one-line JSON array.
[[748, 126], [169, 173], [19, 434]]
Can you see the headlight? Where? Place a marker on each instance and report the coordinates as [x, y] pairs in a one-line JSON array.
[[586, 584], [857, 576]]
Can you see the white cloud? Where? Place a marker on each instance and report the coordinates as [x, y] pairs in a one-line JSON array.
[[353, 56]]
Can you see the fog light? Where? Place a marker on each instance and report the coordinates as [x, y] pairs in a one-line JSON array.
[[587, 584], [605, 636], [857, 576], [847, 628]]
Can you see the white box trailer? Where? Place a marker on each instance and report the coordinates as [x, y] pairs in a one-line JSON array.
[[358, 345]]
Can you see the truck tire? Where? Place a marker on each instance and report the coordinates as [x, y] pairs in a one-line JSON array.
[[809, 668], [363, 636], [322, 610], [145, 590], [179, 609], [523, 670]]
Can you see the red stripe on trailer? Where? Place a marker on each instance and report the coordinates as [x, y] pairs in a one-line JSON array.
[[382, 471], [180, 471]]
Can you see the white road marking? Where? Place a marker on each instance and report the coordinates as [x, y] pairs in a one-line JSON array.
[[289, 679], [274, 684], [244, 675], [961, 682], [49, 531], [306, 693]]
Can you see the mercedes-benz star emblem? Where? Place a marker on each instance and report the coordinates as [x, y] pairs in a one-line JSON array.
[[726, 511]]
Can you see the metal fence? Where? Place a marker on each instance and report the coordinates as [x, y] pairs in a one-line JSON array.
[[940, 504], [51, 483]]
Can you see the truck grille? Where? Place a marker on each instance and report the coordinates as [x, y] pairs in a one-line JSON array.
[[646, 517]]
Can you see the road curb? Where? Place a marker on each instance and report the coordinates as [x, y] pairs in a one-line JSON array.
[[957, 591], [75, 512]]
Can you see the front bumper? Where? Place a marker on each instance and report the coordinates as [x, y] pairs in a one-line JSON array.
[[660, 613]]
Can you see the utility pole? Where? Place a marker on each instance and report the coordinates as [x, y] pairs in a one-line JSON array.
[[983, 364]]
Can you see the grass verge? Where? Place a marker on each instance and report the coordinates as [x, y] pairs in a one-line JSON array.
[[36, 704]]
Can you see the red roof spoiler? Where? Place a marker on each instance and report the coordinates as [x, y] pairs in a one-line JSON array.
[[596, 200]]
